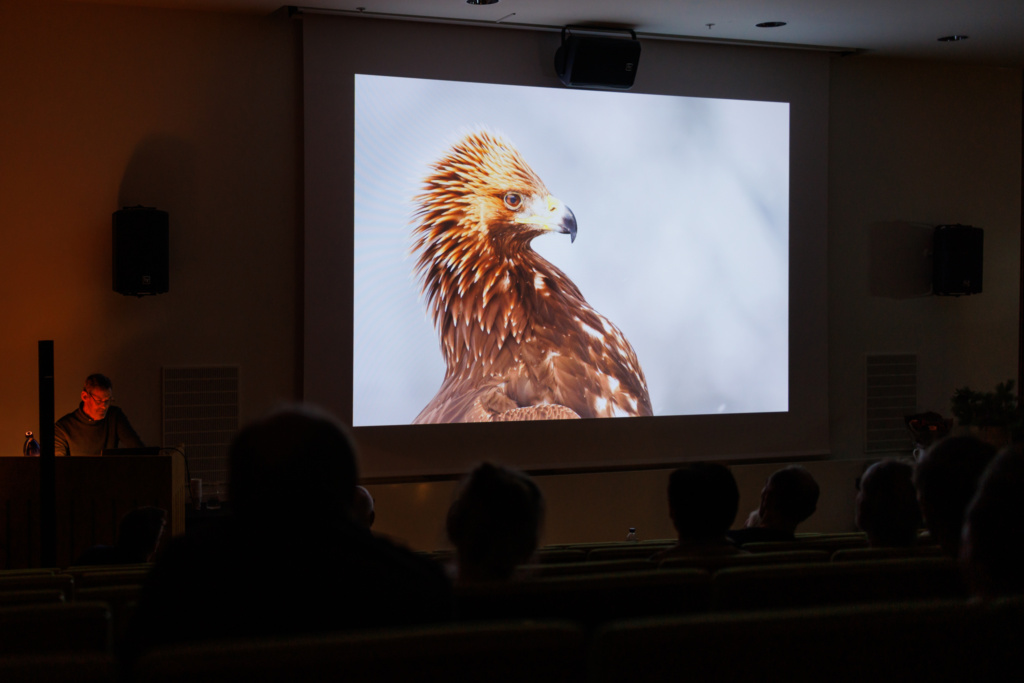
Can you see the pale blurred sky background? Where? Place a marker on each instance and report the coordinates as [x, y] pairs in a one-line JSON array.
[[683, 213]]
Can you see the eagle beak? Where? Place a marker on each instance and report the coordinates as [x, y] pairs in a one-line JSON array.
[[568, 224], [561, 218], [551, 215]]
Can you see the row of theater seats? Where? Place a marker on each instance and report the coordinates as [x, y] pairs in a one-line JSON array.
[[588, 558], [88, 608], [949, 640]]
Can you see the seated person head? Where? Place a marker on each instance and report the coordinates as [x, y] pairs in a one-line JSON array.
[[362, 508], [886, 505], [297, 463], [494, 522], [702, 500], [139, 532], [946, 479], [788, 498], [96, 396], [993, 534]]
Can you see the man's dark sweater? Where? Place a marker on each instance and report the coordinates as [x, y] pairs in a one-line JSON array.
[[78, 434]]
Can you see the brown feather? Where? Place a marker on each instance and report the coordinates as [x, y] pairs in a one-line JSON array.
[[518, 339]]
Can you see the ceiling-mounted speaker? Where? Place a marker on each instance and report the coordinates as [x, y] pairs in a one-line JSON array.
[[597, 61]]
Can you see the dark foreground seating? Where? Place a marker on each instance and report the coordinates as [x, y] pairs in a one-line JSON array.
[[54, 667], [589, 599], [57, 627], [503, 652], [835, 583], [713, 563], [923, 641]]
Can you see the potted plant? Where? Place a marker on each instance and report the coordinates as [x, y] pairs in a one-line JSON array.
[[992, 416]]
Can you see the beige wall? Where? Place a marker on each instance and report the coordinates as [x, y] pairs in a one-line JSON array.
[[199, 115], [195, 114], [583, 508], [935, 144]]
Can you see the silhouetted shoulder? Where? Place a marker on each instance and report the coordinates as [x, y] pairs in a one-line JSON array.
[[230, 580]]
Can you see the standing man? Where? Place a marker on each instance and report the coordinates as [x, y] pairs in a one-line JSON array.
[[96, 424]]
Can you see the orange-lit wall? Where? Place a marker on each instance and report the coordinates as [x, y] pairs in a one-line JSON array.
[[199, 114], [195, 114]]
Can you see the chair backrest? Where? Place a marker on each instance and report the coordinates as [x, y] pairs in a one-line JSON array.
[[77, 626], [824, 542], [926, 641], [589, 599], [848, 554], [504, 652], [834, 583], [122, 601], [559, 555], [77, 570], [33, 596], [80, 667], [39, 581], [713, 563], [634, 551], [655, 543], [28, 570], [125, 577], [580, 568]]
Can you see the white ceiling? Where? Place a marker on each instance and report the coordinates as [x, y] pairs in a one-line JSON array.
[[895, 28]]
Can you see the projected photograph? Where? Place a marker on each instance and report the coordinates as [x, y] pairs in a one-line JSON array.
[[529, 253]]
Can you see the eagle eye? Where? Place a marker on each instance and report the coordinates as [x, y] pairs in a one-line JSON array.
[[513, 201]]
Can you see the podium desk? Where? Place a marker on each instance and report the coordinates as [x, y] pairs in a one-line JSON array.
[[93, 493]]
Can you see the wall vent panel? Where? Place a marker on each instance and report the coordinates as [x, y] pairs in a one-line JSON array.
[[891, 396], [200, 411]]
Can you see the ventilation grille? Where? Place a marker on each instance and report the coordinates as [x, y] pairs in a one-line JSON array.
[[201, 412], [891, 395]]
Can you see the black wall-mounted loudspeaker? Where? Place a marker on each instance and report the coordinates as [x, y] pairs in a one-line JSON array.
[[597, 61], [957, 251], [141, 247]]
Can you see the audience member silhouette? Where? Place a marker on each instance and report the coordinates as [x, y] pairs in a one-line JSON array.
[[946, 478], [993, 533], [788, 498], [138, 536], [290, 559], [362, 508], [494, 523], [702, 500], [886, 506]]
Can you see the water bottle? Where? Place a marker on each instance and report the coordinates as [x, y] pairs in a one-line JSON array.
[[31, 447], [631, 536]]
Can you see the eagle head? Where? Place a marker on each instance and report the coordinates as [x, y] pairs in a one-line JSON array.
[[518, 338], [483, 190]]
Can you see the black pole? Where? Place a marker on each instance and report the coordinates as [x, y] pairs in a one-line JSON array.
[[47, 461]]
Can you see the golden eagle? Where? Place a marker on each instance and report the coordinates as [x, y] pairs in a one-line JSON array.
[[519, 340]]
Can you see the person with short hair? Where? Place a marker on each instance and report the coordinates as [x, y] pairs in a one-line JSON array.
[[362, 508], [788, 498], [993, 534], [703, 499], [96, 424], [494, 522], [290, 560], [946, 479], [886, 505]]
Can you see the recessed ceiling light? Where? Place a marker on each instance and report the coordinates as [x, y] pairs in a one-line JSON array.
[[771, 24], [481, 2], [953, 38]]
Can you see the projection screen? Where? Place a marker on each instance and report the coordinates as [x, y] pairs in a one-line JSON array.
[[698, 201]]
